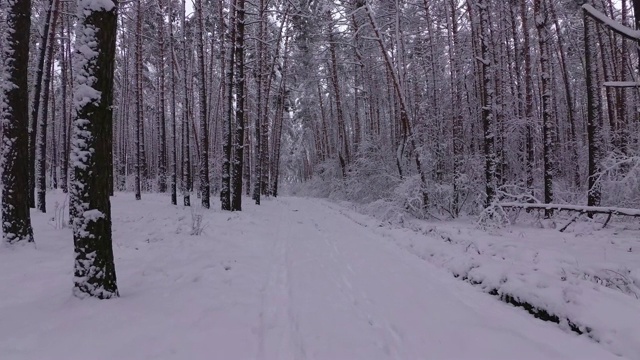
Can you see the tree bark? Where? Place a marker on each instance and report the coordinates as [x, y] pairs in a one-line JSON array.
[[94, 270], [16, 224]]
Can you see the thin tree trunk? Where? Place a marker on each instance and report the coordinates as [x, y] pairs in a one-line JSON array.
[[41, 155], [205, 187], [594, 110], [225, 193], [540, 12], [236, 194]]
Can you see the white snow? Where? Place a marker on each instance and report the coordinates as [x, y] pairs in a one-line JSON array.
[[586, 274], [293, 278]]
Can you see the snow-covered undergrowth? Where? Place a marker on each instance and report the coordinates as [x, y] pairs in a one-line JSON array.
[[587, 279]]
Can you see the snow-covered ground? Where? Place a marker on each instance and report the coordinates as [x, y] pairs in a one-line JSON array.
[[294, 278], [588, 277]]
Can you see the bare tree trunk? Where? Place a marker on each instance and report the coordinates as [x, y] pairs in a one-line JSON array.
[[594, 110], [162, 152], [236, 195], [37, 101], [225, 193], [16, 217], [174, 135], [139, 105], [205, 187], [186, 137], [528, 98], [259, 114], [64, 166], [41, 155], [540, 12], [94, 270], [488, 122]]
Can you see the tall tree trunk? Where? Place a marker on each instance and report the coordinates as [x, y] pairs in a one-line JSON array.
[[162, 147], [186, 136], [488, 122], [41, 155], [457, 129], [16, 218], [205, 187], [65, 39], [594, 110], [94, 270], [225, 192], [259, 120], [528, 98], [139, 117], [540, 12], [36, 103], [174, 135], [236, 194]]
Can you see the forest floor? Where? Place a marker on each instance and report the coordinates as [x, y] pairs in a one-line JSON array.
[[294, 278]]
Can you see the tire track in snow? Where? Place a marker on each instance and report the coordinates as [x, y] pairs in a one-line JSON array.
[[279, 336], [391, 342]]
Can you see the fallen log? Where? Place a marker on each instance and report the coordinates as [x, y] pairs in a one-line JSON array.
[[581, 210], [574, 208]]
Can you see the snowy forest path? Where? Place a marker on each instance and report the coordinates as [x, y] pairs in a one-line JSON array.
[[292, 279], [353, 294]]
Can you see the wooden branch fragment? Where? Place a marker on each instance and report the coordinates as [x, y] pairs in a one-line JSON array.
[[607, 221], [571, 222]]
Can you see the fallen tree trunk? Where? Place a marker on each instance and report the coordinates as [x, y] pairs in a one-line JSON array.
[[574, 208]]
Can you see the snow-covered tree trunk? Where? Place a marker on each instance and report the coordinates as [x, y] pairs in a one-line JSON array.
[[64, 61], [186, 152], [342, 145], [41, 134], [36, 103], [205, 187], [488, 122], [236, 194], [138, 101], [162, 127], [540, 12], [594, 110], [528, 99], [94, 270], [174, 135], [260, 101], [225, 192], [457, 128], [14, 111]]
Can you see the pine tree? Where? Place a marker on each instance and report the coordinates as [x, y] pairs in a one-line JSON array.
[[236, 194], [594, 110], [225, 192], [540, 11], [205, 188], [94, 271], [162, 127], [488, 125], [42, 122], [16, 219]]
